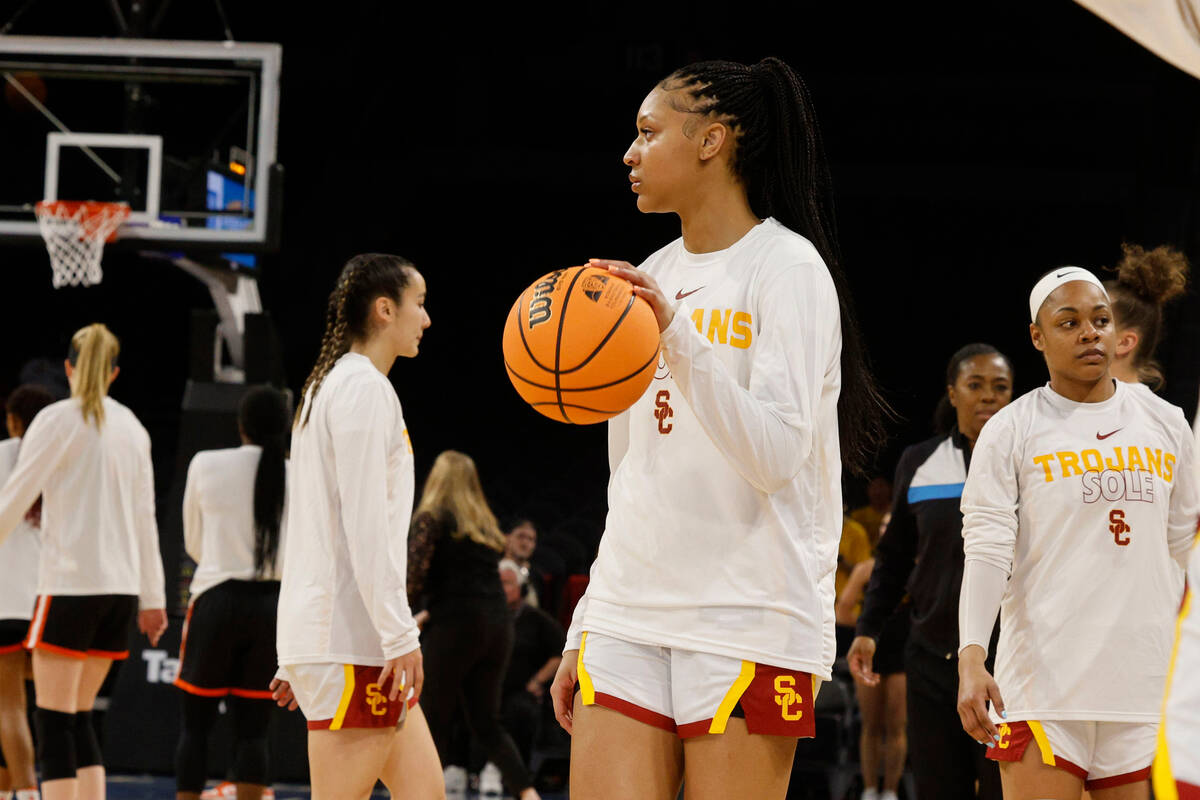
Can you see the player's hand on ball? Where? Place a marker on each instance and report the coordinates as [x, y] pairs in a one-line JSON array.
[[644, 287], [975, 687], [281, 691], [153, 623], [860, 658], [562, 690]]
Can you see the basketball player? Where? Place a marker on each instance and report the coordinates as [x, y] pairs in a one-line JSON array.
[[1177, 762], [1079, 508], [18, 591], [232, 526], [347, 641], [89, 459], [1146, 281], [709, 618]]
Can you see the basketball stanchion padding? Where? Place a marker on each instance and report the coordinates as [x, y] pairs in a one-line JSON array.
[[580, 346], [75, 233]]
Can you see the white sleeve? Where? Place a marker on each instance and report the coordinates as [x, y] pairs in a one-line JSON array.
[[152, 594], [1185, 498], [618, 441], [765, 430], [360, 427], [43, 448], [193, 521], [989, 507]]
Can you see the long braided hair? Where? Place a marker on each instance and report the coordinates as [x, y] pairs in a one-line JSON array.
[[263, 418], [364, 278], [779, 158]]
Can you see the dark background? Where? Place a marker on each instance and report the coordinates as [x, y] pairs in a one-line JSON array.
[[971, 150]]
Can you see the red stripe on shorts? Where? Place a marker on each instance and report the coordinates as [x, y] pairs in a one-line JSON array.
[[1119, 780], [636, 712]]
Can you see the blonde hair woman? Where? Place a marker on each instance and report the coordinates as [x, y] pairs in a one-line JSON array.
[[454, 549], [89, 458]]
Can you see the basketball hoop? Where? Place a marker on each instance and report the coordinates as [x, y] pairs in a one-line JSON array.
[[75, 233]]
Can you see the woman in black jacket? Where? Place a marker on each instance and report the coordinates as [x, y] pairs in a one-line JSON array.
[[454, 549], [922, 555]]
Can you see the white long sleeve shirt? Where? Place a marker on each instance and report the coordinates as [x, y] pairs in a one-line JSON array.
[[725, 494], [19, 554], [1178, 757], [350, 499], [218, 518], [99, 535], [1090, 508]]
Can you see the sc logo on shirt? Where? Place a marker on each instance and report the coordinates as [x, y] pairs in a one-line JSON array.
[[786, 697]]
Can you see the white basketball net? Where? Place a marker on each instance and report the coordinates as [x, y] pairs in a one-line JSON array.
[[75, 233]]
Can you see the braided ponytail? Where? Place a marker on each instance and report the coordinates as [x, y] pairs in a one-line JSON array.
[[364, 278], [780, 159]]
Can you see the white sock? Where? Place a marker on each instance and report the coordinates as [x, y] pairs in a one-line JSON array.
[[870, 794], [888, 794], [27, 794], [6, 794]]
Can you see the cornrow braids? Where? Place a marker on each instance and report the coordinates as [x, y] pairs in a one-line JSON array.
[[364, 278], [779, 158]]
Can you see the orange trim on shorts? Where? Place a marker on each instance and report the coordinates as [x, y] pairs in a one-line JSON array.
[[652, 718], [252, 694], [1120, 780], [202, 692], [62, 651], [115, 656], [38, 623], [12, 648]]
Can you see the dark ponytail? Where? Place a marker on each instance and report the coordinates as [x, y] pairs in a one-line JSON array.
[[945, 416], [364, 278], [779, 157], [1146, 281], [263, 419]]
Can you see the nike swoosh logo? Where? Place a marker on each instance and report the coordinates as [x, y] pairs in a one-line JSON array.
[[1068, 272], [682, 294], [1105, 436]]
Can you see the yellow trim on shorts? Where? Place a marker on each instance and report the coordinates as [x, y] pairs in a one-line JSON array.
[[344, 703], [586, 690], [1162, 776], [1039, 736], [744, 678]]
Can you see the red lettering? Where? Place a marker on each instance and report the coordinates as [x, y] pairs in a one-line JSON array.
[[1118, 527], [663, 411]]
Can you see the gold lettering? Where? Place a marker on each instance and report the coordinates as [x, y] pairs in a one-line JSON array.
[[1044, 463], [742, 332], [1135, 459], [1154, 459], [1068, 462], [1120, 465], [698, 319], [1168, 467], [1093, 455], [718, 326]]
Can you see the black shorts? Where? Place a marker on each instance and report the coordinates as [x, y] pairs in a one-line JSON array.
[[12, 635], [889, 650], [83, 625], [228, 642]]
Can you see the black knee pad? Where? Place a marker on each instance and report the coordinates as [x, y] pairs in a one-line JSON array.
[[250, 762], [56, 743], [87, 746]]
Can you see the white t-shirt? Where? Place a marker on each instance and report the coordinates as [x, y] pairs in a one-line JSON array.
[[1090, 507], [1178, 756], [725, 495], [19, 553], [218, 517], [99, 535], [350, 499]]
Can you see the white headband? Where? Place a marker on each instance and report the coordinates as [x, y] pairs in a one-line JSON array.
[[1055, 279]]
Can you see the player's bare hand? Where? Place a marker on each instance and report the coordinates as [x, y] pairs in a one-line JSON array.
[[281, 692], [153, 623], [644, 287], [975, 687], [562, 690], [406, 670], [860, 658]]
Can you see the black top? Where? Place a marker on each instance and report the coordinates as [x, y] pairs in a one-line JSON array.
[[538, 639], [445, 568], [922, 551]]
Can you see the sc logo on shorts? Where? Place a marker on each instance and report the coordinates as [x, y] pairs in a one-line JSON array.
[[786, 697], [376, 700]]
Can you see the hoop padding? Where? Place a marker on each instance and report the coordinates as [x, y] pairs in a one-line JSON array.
[[75, 233]]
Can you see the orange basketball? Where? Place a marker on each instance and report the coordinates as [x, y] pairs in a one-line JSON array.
[[580, 346]]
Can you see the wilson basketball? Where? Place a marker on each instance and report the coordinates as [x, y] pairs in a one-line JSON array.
[[580, 346]]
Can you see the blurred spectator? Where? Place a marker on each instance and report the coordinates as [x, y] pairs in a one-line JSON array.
[[854, 548], [879, 502], [537, 651], [545, 569]]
